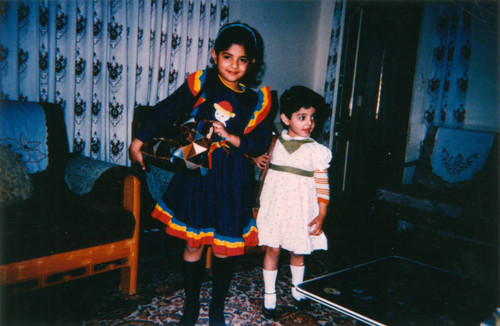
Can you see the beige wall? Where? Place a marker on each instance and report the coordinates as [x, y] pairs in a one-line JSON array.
[[296, 37]]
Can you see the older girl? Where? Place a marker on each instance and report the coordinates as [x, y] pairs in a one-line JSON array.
[[216, 209]]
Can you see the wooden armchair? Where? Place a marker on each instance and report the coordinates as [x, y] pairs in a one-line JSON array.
[[448, 216], [72, 217]]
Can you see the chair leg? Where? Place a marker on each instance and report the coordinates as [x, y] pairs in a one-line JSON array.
[[128, 283], [208, 261]]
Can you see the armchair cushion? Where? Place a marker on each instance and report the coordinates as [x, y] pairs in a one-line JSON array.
[[39, 227], [459, 154], [458, 167], [15, 181], [28, 139], [454, 158]]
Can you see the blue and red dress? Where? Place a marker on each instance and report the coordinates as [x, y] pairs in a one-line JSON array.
[[215, 209]]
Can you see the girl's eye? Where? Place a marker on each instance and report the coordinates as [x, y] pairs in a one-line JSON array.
[[244, 60], [226, 57]]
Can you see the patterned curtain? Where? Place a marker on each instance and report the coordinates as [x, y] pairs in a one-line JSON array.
[[100, 59], [333, 68], [449, 79]]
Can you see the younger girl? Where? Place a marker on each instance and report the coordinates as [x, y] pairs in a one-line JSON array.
[[295, 194], [215, 209]]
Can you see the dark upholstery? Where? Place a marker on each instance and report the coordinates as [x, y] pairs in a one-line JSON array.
[[451, 224], [478, 192], [15, 180], [55, 220], [476, 198]]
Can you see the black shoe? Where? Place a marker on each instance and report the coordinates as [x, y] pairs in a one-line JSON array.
[[271, 314], [190, 316], [216, 319], [301, 305]]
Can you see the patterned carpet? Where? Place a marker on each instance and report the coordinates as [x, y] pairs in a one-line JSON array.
[[243, 305], [96, 301]]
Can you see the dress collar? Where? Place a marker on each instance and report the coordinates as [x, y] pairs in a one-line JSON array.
[[241, 90], [291, 144], [286, 136]]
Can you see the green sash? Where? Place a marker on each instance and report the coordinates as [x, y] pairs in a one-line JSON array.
[[291, 169]]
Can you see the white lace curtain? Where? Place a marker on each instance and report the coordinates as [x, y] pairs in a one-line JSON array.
[[448, 79], [333, 69], [99, 59]]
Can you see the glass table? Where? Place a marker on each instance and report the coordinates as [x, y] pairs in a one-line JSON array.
[[398, 291]]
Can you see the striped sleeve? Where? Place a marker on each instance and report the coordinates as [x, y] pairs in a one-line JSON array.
[[322, 186]]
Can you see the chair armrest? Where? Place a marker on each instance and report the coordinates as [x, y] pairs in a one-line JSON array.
[[132, 198], [82, 172], [101, 181]]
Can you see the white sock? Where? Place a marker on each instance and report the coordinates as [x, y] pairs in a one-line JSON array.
[[270, 288], [297, 278]]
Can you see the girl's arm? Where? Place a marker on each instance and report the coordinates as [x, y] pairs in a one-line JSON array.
[[254, 144], [323, 192], [161, 114], [136, 153], [164, 112], [257, 142], [316, 225], [221, 131]]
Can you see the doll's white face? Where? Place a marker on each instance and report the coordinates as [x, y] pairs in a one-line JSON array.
[[221, 116], [301, 123]]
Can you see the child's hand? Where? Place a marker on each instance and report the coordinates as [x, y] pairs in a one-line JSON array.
[[220, 130], [135, 152], [316, 225], [262, 161]]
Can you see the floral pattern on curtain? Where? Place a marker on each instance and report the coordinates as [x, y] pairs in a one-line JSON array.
[[332, 70], [100, 59], [449, 80]]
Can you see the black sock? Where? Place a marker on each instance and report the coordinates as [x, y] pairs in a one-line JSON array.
[[193, 276], [222, 274]]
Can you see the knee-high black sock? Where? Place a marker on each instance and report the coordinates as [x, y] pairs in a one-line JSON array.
[[222, 273], [193, 275]]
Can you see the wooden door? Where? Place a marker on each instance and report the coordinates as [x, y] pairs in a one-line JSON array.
[[376, 81]]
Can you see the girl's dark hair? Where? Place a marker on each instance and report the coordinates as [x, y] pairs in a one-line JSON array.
[[250, 39], [236, 33], [298, 97]]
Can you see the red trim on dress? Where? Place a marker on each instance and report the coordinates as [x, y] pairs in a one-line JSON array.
[[250, 240]]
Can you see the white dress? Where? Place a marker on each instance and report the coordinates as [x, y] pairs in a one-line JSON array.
[[288, 202]]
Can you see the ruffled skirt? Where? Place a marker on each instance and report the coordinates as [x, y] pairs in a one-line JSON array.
[[215, 209]]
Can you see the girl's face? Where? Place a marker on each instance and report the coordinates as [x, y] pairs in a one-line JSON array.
[[232, 64], [301, 123]]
